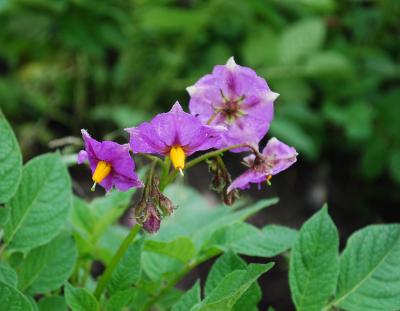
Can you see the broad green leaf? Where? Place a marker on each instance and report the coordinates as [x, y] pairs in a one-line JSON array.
[[108, 210], [369, 276], [47, 267], [79, 299], [231, 288], [128, 270], [314, 263], [246, 239], [33, 303], [52, 303], [157, 266], [120, 299], [300, 39], [8, 275], [224, 265], [169, 299], [10, 161], [81, 216], [189, 299], [109, 242], [4, 216], [328, 64], [202, 235], [40, 207], [181, 249], [198, 219], [12, 299]]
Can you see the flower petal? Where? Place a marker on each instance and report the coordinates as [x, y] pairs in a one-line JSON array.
[[244, 180]]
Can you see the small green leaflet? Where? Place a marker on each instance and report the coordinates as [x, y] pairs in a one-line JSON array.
[[314, 263], [79, 299], [10, 161]]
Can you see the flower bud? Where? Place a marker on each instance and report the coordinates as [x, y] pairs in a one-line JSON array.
[[153, 219], [221, 180], [163, 202], [166, 205]]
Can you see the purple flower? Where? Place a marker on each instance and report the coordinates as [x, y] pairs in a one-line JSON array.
[[236, 98], [176, 134], [111, 164], [275, 158]]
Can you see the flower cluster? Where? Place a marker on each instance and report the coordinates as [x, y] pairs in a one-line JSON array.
[[230, 109]]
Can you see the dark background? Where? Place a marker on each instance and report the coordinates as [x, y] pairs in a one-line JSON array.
[[106, 65]]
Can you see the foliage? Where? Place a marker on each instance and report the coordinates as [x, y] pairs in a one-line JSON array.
[[56, 263]]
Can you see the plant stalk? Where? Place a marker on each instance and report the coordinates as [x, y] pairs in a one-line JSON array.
[[101, 285]]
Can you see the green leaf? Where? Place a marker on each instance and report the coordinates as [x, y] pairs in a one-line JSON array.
[[369, 276], [128, 270], [8, 275], [4, 216], [52, 303], [40, 207], [246, 239], [120, 299], [231, 288], [181, 249], [328, 65], [10, 161], [224, 265], [314, 263], [79, 299], [300, 39], [109, 242], [47, 267], [12, 299], [189, 299], [108, 210]]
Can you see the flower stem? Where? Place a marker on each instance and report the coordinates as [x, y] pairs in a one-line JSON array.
[[101, 285], [202, 158]]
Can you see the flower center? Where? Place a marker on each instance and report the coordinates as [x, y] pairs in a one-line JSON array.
[[178, 156], [102, 170], [229, 109]]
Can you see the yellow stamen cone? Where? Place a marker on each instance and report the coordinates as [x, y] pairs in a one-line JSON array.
[[268, 180], [178, 157], [102, 170]]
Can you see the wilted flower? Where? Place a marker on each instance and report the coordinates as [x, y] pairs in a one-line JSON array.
[[221, 179], [176, 134], [236, 98], [164, 203], [153, 219], [275, 158], [111, 164]]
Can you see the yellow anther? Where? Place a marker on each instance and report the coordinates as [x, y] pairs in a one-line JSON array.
[[268, 180], [102, 170], [178, 157]]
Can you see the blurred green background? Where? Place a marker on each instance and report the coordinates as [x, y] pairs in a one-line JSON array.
[[105, 65]]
